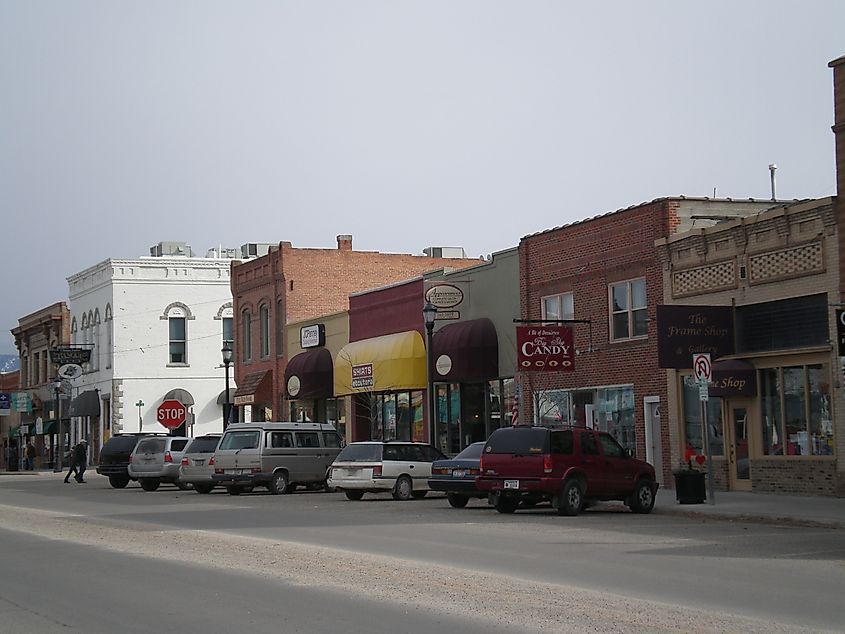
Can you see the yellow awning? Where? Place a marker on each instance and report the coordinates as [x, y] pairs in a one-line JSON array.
[[381, 364]]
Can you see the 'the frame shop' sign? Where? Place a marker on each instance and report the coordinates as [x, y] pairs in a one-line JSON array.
[[683, 331]]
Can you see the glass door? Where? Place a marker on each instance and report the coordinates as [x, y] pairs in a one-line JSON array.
[[739, 464]]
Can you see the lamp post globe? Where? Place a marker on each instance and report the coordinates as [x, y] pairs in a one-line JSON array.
[[429, 315], [227, 360]]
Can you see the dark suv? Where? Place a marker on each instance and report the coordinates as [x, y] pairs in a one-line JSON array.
[[114, 457], [565, 466]]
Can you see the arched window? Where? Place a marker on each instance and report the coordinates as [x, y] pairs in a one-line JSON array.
[[264, 319], [109, 336], [247, 335], [177, 315]]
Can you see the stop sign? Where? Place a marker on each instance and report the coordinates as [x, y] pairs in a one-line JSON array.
[[171, 413]]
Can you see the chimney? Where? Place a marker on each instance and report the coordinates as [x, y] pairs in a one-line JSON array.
[[344, 242], [838, 66]]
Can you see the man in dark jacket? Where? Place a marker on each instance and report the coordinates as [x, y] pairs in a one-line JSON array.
[[80, 459]]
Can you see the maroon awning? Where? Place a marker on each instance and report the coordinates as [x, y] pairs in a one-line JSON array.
[[310, 375], [255, 389], [733, 377], [466, 351]]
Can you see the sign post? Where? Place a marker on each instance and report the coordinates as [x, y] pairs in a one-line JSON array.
[[702, 367], [171, 413]]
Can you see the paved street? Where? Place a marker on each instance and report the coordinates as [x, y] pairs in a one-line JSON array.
[[86, 557]]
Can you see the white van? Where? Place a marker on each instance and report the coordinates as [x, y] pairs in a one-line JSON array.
[[279, 456]]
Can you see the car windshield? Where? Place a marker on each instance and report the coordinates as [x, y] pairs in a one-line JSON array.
[[203, 445], [473, 452], [523, 441], [240, 440], [360, 453]]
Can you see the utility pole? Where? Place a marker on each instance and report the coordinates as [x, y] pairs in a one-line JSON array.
[[139, 405]]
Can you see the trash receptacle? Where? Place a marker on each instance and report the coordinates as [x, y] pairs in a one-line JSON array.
[[689, 487]]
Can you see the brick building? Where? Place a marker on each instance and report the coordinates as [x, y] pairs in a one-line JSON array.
[[291, 284], [10, 383], [604, 272]]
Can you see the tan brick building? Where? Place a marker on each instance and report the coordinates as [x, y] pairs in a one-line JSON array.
[[293, 284]]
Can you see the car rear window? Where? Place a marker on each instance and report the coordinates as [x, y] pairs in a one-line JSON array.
[[240, 440], [331, 439], [178, 445], [360, 453], [120, 444], [472, 452], [518, 440], [202, 445], [150, 445]]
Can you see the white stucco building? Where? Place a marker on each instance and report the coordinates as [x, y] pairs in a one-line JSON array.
[[156, 326]]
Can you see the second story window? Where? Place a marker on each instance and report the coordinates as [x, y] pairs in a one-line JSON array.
[[247, 334], [228, 332], [264, 318], [178, 340], [559, 307], [628, 312]]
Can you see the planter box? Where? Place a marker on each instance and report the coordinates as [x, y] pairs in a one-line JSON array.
[[689, 487]]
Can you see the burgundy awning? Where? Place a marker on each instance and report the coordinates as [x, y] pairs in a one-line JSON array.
[[733, 377], [310, 375], [255, 389], [466, 351]]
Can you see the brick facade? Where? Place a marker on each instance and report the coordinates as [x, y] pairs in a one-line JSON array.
[[298, 283]]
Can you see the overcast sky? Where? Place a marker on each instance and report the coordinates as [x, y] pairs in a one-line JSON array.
[[406, 124]]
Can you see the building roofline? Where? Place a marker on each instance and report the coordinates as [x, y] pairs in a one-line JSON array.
[[836, 62]]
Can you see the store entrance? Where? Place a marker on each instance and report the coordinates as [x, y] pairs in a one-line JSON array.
[[739, 466], [472, 414]]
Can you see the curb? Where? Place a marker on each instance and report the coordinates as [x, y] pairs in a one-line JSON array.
[[780, 520]]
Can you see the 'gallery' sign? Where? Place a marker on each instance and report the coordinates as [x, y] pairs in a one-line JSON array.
[[683, 331], [545, 348]]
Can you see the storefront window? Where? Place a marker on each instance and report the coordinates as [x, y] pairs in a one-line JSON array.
[[770, 412], [553, 407], [417, 417], [403, 415], [821, 421], [794, 392], [615, 415], [336, 414], [693, 436], [392, 415], [442, 417]]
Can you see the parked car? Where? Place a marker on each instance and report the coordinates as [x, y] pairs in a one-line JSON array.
[[197, 468], [403, 468], [566, 466], [114, 457], [157, 460], [456, 476], [280, 456]]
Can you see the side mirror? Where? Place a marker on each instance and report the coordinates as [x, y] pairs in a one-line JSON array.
[[629, 453]]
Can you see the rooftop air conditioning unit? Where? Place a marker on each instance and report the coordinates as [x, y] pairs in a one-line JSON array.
[[445, 252]]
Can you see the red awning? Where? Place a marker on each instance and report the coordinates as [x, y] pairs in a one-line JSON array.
[[466, 351], [256, 388], [310, 375]]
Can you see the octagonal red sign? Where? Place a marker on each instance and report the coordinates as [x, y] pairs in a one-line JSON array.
[[171, 413]]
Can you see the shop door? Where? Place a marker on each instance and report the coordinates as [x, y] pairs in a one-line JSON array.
[[473, 428], [739, 425]]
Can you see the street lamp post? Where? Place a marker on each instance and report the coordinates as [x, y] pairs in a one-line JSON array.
[[139, 405], [227, 360], [429, 315], [58, 449]]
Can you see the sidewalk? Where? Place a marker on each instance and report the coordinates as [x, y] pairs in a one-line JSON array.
[[825, 512]]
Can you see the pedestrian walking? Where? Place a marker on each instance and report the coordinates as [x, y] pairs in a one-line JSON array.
[[80, 455], [72, 470], [29, 456]]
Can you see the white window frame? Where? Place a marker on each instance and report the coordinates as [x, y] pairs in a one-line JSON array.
[[630, 310], [559, 297], [171, 341]]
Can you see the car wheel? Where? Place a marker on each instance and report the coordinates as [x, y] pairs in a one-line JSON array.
[[354, 495], [279, 483], [403, 489], [506, 504], [118, 482], [233, 490], [457, 501], [203, 488], [570, 499], [642, 501], [149, 484], [419, 495]]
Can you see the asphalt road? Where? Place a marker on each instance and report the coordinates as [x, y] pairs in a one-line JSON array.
[[88, 557]]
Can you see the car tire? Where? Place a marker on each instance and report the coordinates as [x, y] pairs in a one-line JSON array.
[[149, 484], [234, 490], [279, 484], [457, 501], [203, 488], [118, 482], [403, 489], [570, 499], [506, 504], [642, 500], [354, 495]]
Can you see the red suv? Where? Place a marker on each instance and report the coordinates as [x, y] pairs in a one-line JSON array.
[[565, 466]]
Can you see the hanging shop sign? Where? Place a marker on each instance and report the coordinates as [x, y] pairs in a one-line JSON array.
[[64, 356], [545, 348], [362, 375], [444, 295], [312, 336], [840, 330]]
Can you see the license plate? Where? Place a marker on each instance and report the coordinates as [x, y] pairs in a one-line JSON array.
[[459, 473], [199, 463], [235, 471], [511, 484]]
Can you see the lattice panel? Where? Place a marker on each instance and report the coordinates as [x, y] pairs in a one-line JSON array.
[[786, 263], [713, 277]]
